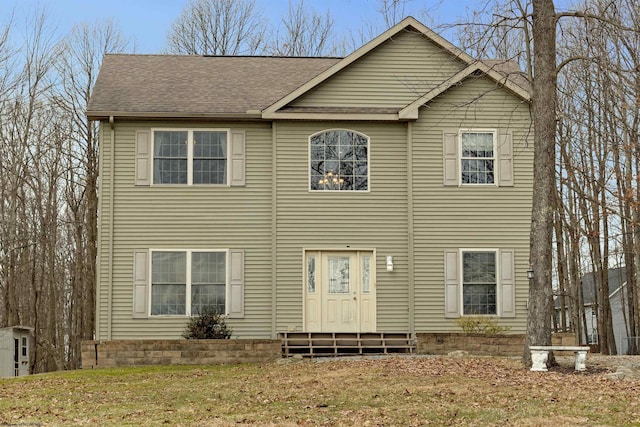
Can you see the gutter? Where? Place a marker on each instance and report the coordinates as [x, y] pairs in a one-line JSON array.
[[151, 115]]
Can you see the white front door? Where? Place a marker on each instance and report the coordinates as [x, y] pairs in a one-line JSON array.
[[340, 291]]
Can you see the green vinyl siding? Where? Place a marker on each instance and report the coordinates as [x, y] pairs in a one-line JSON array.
[[342, 220], [395, 74], [186, 217], [274, 216], [468, 217]]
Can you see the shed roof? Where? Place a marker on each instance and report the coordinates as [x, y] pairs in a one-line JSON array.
[[17, 328]]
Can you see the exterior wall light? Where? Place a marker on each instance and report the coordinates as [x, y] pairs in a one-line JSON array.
[[389, 263], [530, 272]]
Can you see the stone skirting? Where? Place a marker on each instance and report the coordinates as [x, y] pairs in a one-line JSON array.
[[98, 354], [481, 344], [476, 344]]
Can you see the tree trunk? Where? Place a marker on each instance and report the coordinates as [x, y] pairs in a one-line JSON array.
[[544, 108]]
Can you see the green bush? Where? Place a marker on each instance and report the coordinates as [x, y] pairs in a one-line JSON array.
[[481, 325], [208, 325]]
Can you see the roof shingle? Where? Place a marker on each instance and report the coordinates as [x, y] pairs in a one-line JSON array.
[[197, 85]]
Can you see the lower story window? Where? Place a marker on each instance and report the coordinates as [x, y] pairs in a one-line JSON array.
[[479, 282], [185, 282]]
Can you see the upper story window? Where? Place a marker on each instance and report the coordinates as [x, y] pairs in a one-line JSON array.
[[190, 156], [478, 155], [339, 161]]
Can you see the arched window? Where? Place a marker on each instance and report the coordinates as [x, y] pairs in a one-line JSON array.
[[339, 161]]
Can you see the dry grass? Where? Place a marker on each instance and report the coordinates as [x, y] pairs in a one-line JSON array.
[[390, 392]]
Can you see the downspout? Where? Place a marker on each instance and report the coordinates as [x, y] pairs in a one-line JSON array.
[[410, 241], [112, 151], [274, 230], [97, 331]]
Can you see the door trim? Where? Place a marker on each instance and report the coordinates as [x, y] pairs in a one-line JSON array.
[[357, 252]]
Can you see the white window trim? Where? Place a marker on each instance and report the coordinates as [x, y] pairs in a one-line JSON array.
[[496, 251], [190, 155], [24, 347], [227, 288], [496, 169], [368, 190]]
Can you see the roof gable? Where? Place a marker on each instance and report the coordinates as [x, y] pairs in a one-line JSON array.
[[617, 277], [455, 65], [487, 68], [408, 24], [390, 76]]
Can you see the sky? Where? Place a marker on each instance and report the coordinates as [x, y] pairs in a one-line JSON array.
[[148, 21]]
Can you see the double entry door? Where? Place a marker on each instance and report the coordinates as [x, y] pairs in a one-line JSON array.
[[339, 291]]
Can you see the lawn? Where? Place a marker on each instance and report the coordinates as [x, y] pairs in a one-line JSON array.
[[391, 392]]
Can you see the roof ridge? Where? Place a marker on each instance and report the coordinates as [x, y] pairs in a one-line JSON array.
[[169, 55]]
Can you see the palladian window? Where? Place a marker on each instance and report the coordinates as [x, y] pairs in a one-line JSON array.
[[339, 161]]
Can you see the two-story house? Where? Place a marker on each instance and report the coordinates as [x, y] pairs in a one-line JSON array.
[[389, 190]]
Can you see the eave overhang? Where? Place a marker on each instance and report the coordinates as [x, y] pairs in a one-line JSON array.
[[331, 117], [104, 115]]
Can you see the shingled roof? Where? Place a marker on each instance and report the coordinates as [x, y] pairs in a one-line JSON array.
[[191, 86], [253, 87]]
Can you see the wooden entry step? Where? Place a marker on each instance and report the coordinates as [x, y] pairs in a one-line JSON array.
[[322, 344]]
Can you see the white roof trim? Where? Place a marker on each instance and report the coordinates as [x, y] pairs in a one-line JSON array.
[[411, 110], [401, 26], [330, 116], [619, 289]]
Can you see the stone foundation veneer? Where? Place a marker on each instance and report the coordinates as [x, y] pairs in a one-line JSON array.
[[99, 354], [475, 344], [481, 344]]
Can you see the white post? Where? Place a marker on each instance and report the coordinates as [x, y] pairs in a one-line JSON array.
[[539, 360], [581, 360]]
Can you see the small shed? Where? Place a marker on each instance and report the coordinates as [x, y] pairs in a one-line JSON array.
[[14, 351]]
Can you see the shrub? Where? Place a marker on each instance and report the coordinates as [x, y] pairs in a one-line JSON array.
[[208, 325], [481, 325]]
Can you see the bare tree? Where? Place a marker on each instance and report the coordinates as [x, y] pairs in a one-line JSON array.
[[304, 32], [544, 118], [502, 31], [82, 53], [589, 169], [601, 116], [217, 27], [29, 213], [393, 11], [48, 185]]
